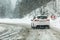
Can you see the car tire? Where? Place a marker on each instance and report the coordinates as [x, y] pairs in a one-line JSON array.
[[47, 27], [32, 26]]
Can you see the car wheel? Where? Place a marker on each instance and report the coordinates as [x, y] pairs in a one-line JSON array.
[[47, 27]]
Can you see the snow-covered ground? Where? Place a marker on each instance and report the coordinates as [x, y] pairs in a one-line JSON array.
[[55, 23], [2, 29], [26, 20]]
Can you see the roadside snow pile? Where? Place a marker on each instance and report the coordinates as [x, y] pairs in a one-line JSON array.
[[55, 23], [25, 20]]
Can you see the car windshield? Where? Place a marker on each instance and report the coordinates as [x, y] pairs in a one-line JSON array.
[[42, 17]]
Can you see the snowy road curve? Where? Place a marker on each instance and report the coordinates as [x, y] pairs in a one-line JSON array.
[[22, 32]]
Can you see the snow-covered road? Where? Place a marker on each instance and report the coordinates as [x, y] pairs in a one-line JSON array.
[[22, 32], [12, 32], [43, 34]]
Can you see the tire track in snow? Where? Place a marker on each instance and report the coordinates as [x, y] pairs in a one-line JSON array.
[[15, 32], [33, 35], [45, 34], [53, 34]]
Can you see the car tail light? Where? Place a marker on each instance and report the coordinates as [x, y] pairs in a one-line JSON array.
[[36, 20], [47, 20], [53, 17]]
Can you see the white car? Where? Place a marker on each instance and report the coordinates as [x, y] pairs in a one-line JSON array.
[[40, 22]]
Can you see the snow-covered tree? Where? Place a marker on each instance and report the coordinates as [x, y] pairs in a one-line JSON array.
[[27, 6]]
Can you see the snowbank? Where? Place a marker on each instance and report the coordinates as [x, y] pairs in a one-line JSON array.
[[55, 23], [25, 20]]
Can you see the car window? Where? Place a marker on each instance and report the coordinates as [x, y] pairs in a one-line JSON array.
[[42, 17]]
